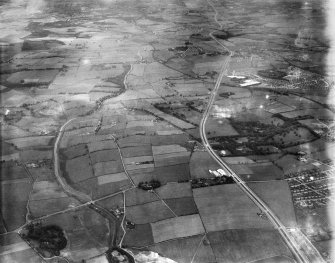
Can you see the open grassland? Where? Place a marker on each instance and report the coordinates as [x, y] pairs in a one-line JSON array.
[[246, 245], [140, 236], [177, 227], [277, 195], [227, 207], [148, 212], [201, 163]]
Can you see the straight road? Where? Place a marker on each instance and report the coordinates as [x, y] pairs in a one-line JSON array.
[[303, 250]]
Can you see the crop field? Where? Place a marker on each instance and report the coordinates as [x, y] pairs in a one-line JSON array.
[[131, 167], [16, 196], [276, 259], [159, 140], [180, 250], [136, 151], [79, 168], [148, 213], [171, 159], [164, 149], [43, 207], [11, 171], [138, 196], [105, 155], [110, 167], [191, 116], [140, 236], [219, 213], [182, 206], [101, 145], [31, 141], [241, 169], [138, 159], [277, 195], [111, 178], [46, 189], [139, 123], [201, 163], [70, 140], [174, 190], [247, 245], [290, 164], [113, 202], [102, 190], [177, 227], [132, 141], [35, 155], [164, 174], [75, 151]]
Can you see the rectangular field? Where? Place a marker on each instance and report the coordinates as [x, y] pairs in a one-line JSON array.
[[174, 190], [148, 213], [105, 155], [182, 206], [110, 167], [171, 159], [101, 145], [140, 236], [164, 149], [135, 140], [226, 207], [177, 227], [143, 150], [79, 169], [111, 178], [75, 151], [138, 159], [138, 196], [240, 245]]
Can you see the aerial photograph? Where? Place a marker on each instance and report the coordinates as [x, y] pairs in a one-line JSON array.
[[167, 131]]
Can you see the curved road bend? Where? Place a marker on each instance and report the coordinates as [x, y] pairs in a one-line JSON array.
[[82, 197], [302, 249]]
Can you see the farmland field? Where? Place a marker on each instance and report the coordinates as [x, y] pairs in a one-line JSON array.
[[182, 206], [164, 174], [245, 245], [148, 212], [16, 195], [34, 155], [140, 236], [135, 140], [277, 195], [183, 249], [101, 145], [263, 172], [201, 163], [75, 151], [105, 155], [110, 167], [11, 171], [136, 151], [219, 212], [177, 227], [79, 168], [171, 159], [164, 149], [158, 140], [138, 196], [174, 190]]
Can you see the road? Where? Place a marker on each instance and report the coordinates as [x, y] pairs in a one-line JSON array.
[[300, 246]]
